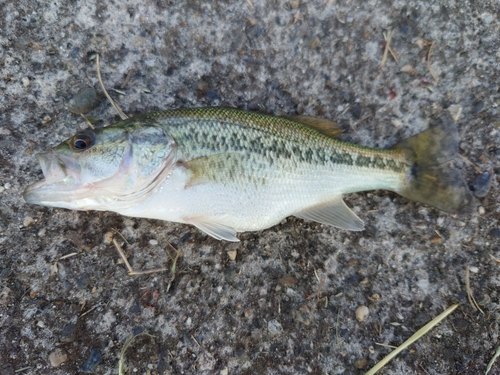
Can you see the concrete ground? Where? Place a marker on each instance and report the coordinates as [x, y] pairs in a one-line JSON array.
[[284, 300]]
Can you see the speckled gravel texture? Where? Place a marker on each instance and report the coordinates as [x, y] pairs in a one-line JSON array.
[[287, 303]]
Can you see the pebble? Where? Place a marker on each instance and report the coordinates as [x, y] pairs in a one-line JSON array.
[[108, 237], [362, 312], [68, 333], [57, 357], [26, 81], [495, 232], [95, 357], [153, 242], [28, 220], [232, 254], [481, 210], [360, 363], [481, 185], [473, 269], [7, 185], [85, 101], [274, 327], [5, 131]]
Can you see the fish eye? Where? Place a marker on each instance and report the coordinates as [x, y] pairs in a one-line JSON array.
[[82, 141]]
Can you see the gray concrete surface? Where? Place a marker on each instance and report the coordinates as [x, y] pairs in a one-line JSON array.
[[286, 304]]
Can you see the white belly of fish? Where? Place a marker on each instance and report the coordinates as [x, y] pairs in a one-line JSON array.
[[240, 206]]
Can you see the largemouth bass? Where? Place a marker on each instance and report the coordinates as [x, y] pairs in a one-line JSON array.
[[227, 171]]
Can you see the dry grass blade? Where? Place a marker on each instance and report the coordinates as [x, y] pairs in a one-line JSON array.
[[490, 363], [388, 48], [468, 289], [87, 121], [131, 271], [417, 335], [478, 170], [121, 363], [495, 259], [122, 115]]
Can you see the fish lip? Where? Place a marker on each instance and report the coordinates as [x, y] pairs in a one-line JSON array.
[[56, 169]]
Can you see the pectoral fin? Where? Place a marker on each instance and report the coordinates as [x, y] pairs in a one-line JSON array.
[[214, 229], [334, 213]]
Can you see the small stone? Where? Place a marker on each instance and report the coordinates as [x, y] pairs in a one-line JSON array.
[[481, 210], [108, 237], [481, 185], [360, 363], [288, 280], [5, 131], [473, 269], [293, 4], [25, 81], [28, 220], [274, 327], [57, 357], [356, 111], [153, 242], [68, 333], [85, 101], [7, 185], [41, 232], [362, 312], [40, 324], [46, 119], [232, 254], [495, 232], [92, 361]]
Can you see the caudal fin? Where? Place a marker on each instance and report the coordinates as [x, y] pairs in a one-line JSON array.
[[429, 180]]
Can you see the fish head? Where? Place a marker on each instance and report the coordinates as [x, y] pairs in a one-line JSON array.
[[105, 169]]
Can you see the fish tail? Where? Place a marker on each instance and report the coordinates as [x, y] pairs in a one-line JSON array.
[[429, 180]]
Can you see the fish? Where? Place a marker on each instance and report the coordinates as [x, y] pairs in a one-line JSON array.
[[227, 171]]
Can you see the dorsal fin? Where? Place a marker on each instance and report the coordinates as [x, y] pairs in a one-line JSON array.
[[326, 127]]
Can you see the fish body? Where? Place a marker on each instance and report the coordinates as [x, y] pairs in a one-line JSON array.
[[227, 171]]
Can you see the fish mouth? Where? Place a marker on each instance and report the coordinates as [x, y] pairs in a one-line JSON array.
[[60, 179]]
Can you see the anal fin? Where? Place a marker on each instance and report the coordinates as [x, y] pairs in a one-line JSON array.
[[335, 213], [214, 229]]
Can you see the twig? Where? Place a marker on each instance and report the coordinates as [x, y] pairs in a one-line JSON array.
[[127, 78], [417, 335], [495, 259], [470, 295], [387, 48], [87, 121], [88, 311], [131, 271], [478, 170], [67, 256], [436, 79], [386, 345], [122, 115], [196, 341]]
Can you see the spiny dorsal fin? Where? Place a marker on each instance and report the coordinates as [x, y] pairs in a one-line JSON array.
[[326, 127]]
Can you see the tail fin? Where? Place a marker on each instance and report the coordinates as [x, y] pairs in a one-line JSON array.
[[429, 181]]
